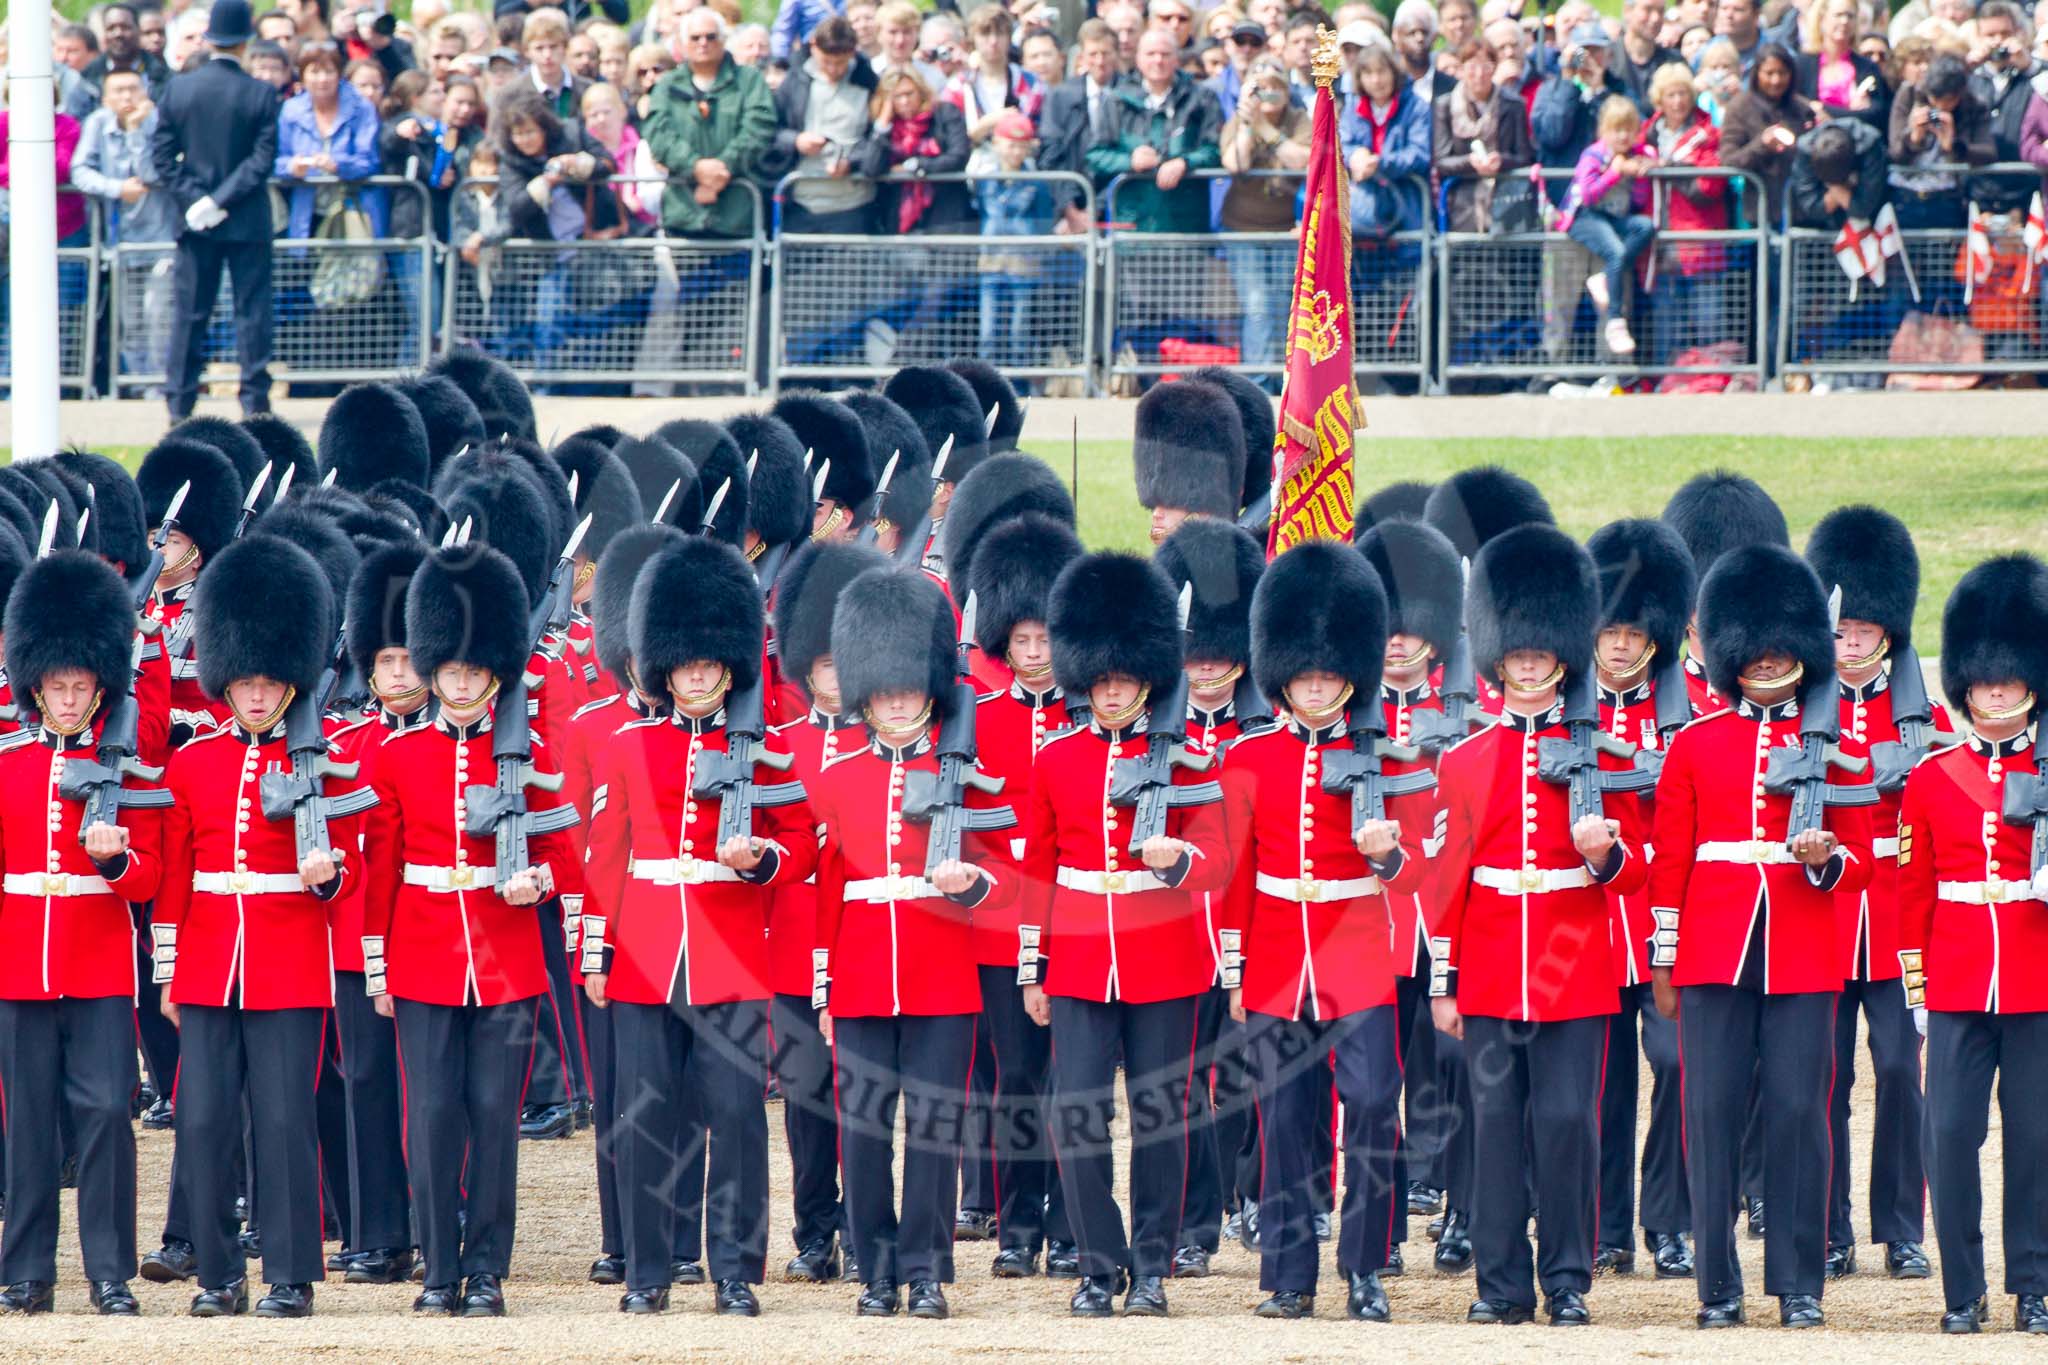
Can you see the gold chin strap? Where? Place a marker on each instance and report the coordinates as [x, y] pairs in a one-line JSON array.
[[1773, 684], [1875, 656], [405, 698], [1118, 719], [1220, 681], [1419, 657], [832, 523], [257, 727], [191, 553], [883, 526], [825, 701], [894, 735], [585, 571], [713, 693], [483, 701], [2013, 712], [1029, 675], [760, 548], [1552, 679], [1316, 720], [1635, 669], [83, 721]]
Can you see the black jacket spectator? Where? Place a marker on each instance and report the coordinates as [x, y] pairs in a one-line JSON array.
[[1504, 123], [216, 137], [1565, 122], [1064, 135], [1878, 113], [1745, 148], [949, 206], [414, 158], [792, 104], [85, 96], [525, 216], [1635, 80], [578, 10], [2007, 107], [1862, 168]]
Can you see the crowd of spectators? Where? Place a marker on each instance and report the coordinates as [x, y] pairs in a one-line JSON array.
[[552, 123]]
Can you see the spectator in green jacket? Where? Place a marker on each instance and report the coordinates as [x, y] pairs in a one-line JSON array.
[[707, 122], [1158, 128]]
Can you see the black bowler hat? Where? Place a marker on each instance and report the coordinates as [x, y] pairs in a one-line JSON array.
[[230, 23]]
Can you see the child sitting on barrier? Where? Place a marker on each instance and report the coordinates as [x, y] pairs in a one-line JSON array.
[[1598, 213]]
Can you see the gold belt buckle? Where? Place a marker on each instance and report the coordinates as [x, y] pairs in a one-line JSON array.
[[239, 882], [1997, 892], [689, 871], [1113, 883], [1761, 850], [461, 878], [1308, 889], [901, 888], [1532, 879], [56, 883]]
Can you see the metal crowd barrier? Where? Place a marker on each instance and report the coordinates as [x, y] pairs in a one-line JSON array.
[[854, 306], [1929, 317], [1181, 300], [343, 309], [644, 309], [78, 303], [1516, 306]]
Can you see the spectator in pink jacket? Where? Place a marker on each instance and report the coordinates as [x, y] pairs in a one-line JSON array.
[[1599, 214], [71, 229]]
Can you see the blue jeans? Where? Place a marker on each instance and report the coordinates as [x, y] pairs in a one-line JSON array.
[[1263, 273], [1006, 319], [1616, 241]]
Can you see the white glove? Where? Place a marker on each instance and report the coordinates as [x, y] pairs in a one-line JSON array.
[[1920, 1019], [205, 215]]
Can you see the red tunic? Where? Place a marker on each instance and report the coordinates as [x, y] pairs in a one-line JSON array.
[[245, 930], [1524, 920], [681, 926], [1722, 869], [191, 710], [811, 741], [582, 658], [1631, 715], [1868, 920], [1705, 700], [1104, 941], [65, 936], [1964, 898], [447, 938], [1010, 727], [1412, 907], [358, 744], [1317, 937], [891, 945]]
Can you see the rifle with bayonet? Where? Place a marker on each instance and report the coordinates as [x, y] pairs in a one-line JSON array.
[[1673, 711], [729, 774], [1895, 759], [299, 793], [910, 549], [97, 782], [871, 514], [2026, 805], [1573, 762], [1360, 772], [1802, 773], [1435, 731], [940, 799], [144, 583], [1145, 784]]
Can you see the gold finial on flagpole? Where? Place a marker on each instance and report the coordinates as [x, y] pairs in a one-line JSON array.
[[1328, 63]]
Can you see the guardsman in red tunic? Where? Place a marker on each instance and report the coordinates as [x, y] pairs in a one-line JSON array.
[[675, 919], [452, 953], [1869, 554], [895, 962], [1646, 595], [1973, 927], [892, 431], [1523, 970], [1713, 513], [1745, 910], [241, 930], [68, 981], [1223, 564], [1419, 568], [1187, 454], [606, 493], [1473, 506], [778, 526], [1012, 570], [1308, 957], [381, 1240], [205, 524], [949, 413], [831, 431], [1112, 941], [802, 1060]]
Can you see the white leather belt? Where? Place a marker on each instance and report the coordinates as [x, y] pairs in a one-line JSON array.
[[1108, 883], [1964, 893], [877, 890], [1764, 851], [681, 871], [447, 879], [1310, 890], [246, 883], [1530, 881], [1885, 848], [53, 884]]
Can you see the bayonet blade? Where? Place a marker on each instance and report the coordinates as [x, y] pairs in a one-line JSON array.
[[667, 501], [1835, 611], [939, 463], [284, 485], [49, 540], [256, 488], [988, 423], [575, 480], [462, 537], [84, 520], [711, 511], [888, 473], [1187, 602], [967, 615], [818, 484], [576, 537], [177, 503], [327, 480], [808, 453], [753, 458], [448, 536]]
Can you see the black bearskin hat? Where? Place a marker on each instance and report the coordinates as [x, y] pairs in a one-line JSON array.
[[657, 467], [69, 609], [212, 507], [1646, 580], [1255, 413], [716, 457], [37, 486], [942, 404], [506, 514], [778, 493], [1224, 563], [889, 428], [263, 609], [605, 492], [604, 433], [892, 630], [1319, 607], [1758, 599], [466, 604], [1404, 501], [994, 394], [449, 415], [1114, 613], [611, 593], [554, 487], [696, 600], [376, 602], [1014, 568], [116, 507], [14, 562], [1001, 487], [73, 494], [16, 518], [285, 448], [1719, 511], [804, 599], [1424, 580], [242, 449], [320, 534], [1188, 450], [1868, 553], [1533, 587], [1475, 505], [1994, 628], [422, 508], [909, 495], [371, 433], [379, 520], [500, 397], [831, 431]]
